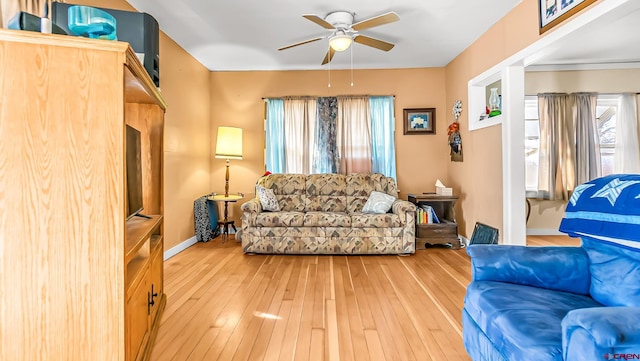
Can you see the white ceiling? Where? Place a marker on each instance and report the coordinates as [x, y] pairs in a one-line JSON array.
[[245, 34]]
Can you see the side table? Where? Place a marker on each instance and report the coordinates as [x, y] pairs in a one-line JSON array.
[[445, 232], [226, 222]]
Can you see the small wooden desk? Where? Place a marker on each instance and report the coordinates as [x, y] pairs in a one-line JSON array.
[[226, 222]]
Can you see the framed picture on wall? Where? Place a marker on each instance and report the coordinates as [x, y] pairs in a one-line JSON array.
[[419, 121], [553, 12]]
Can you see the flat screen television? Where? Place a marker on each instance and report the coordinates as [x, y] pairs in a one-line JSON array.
[[133, 172]]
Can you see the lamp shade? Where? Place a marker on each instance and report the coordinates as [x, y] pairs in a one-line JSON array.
[[340, 42], [229, 143]]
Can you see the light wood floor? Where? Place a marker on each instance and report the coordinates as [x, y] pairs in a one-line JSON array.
[[224, 305]]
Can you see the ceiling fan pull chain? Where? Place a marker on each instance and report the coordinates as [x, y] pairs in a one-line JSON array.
[[329, 86], [352, 66]]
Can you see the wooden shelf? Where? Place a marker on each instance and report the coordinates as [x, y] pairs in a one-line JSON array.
[[156, 243], [138, 231], [135, 270], [445, 232]]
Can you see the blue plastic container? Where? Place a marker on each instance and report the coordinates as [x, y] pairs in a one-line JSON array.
[[91, 22]]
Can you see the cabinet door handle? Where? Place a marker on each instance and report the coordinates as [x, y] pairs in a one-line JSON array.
[[153, 294], [150, 302]]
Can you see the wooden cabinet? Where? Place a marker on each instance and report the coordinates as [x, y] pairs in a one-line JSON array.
[[79, 280], [445, 232]]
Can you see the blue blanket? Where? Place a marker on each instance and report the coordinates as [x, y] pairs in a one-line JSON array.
[[607, 207]]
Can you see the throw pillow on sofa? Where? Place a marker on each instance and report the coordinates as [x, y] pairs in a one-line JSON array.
[[268, 199], [378, 202]]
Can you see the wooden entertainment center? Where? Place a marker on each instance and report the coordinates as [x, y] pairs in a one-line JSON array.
[[79, 280]]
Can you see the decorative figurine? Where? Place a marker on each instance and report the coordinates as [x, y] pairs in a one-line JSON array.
[[455, 141]]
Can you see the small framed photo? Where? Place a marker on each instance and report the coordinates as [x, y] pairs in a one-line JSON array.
[[553, 12], [420, 121]]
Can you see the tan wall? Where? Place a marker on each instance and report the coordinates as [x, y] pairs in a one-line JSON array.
[[600, 81], [546, 215], [236, 100], [184, 83], [478, 180]]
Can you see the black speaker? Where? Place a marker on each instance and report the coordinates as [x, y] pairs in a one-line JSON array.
[[140, 30]]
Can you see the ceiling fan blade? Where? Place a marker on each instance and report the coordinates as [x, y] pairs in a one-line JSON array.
[[378, 44], [329, 56], [301, 43], [376, 21], [318, 20]]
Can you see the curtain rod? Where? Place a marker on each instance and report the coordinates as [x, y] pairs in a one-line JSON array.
[[337, 96]]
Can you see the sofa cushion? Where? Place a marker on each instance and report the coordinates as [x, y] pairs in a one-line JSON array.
[[326, 193], [360, 186], [615, 273], [364, 220], [289, 190], [378, 202], [523, 322], [279, 219], [326, 219]]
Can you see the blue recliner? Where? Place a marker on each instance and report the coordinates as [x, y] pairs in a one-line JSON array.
[[563, 303]]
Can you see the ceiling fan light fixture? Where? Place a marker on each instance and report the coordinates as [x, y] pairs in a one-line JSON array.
[[340, 42]]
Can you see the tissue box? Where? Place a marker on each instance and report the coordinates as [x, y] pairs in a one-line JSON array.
[[444, 191]]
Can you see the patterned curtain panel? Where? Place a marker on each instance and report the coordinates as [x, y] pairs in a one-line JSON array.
[[383, 125], [326, 153], [274, 134]]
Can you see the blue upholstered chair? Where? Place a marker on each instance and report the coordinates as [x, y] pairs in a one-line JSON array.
[[563, 303]]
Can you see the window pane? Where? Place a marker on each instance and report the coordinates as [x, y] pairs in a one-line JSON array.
[[531, 170], [607, 131], [531, 142], [531, 107], [606, 157]]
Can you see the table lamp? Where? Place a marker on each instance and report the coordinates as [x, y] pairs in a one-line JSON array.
[[229, 146]]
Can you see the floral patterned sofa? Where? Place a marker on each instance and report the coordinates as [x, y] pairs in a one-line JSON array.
[[321, 214]]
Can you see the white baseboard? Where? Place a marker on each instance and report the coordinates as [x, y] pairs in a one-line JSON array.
[[180, 247], [464, 241], [544, 232]]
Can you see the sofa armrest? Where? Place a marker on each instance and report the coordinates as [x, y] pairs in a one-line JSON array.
[[250, 210], [402, 207], [557, 268], [252, 206], [592, 333]]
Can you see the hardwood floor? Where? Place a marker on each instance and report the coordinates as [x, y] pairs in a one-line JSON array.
[[225, 305]]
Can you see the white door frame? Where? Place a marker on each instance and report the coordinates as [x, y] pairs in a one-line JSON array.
[[511, 72]]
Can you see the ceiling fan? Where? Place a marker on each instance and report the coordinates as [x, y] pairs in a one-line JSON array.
[[344, 31]]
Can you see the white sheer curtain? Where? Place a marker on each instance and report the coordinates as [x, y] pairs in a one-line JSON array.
[[354, 134], [627, 154], [299, 133]]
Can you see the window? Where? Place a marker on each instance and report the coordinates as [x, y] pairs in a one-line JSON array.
[[347, 134], [606, 108]]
